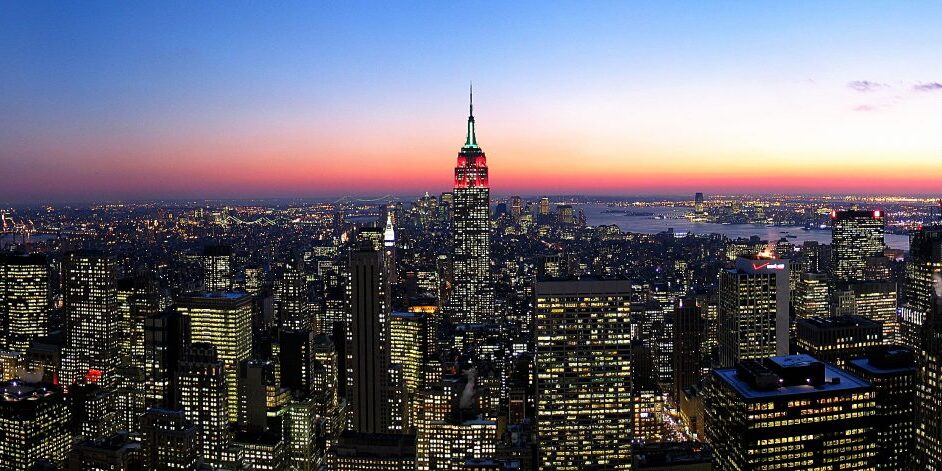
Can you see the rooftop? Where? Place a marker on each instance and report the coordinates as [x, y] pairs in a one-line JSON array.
[[779, 376]]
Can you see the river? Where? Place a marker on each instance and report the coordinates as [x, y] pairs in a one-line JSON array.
[[673, 218]]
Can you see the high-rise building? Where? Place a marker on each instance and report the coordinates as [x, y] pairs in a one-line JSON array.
[[368, 352], [790, 412], [389, 248], [201, 384], [291, 298], [225, 321], [447, 445], [837, 339], [408, 346], [138, 299], [24, 300], [929, 391], [516, 207], [34, 424], [372, 451], [688, 333], [698, 203], [875, 300], [812, 296], [169, 442], [856, 241], [544, 206], [892, 372], [923, 268], [472, 300], [583, 373], [752, 320], [165, 336], [217, 267], [90, 300]]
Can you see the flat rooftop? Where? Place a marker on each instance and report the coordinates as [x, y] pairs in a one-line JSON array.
[[835, 380]]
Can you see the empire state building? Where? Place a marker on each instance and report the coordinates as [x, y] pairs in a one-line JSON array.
[[472, 300]]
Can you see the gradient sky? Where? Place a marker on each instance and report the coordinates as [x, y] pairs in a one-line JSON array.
[[102, 100]]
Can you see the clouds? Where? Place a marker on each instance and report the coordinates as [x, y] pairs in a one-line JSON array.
[[928, 87], [865, 86]]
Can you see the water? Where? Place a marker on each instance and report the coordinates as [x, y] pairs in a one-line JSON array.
[[674, 219]]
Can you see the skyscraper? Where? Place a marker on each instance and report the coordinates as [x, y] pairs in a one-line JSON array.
[[169, 440], [291, 298], [892, 372], [583, 374], [793, 411], [922, 270], [217, 267], [837, 339], [225, 321], [753, 310], [90, 299], [201, 383], [856, 241], [368, 352], [24, 300], [34, 424], [929, 392], [473, 297]]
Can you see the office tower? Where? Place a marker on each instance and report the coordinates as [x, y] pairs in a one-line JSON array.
[[447, 445], [165, 336], [583, 373], [90, 301], [291, 298], [565, 214], [698, 203], [300, 427], [856, 240], [875, 300], [929, 391], [254, 279], [389, 249], [259, 393], [201, 384], [92, 411], [922, 269], [812, 296], [130, 398], [261, 450], [24, 300], [114, 453], [689, 330], [752, 320], [516, 207], [217, 267], [169, 441], [225, 321], [837, 339], [544, 206], [892, 372], [472, 300], [138, 299], [372, 451], [793, 411], [34, 424], [368, 354], [408, 347]]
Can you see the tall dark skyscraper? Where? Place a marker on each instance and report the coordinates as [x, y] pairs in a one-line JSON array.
[[368, 354], [472, 300]]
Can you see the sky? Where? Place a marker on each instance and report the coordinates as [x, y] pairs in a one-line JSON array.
[[139, 100]]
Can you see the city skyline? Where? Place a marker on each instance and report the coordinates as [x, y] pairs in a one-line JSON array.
[[112, 102]]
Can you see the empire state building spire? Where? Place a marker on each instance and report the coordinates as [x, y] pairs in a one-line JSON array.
[[471, 140]]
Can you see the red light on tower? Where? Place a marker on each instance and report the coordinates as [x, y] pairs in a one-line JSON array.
[[833, 214], [877, 214], [93, 375]]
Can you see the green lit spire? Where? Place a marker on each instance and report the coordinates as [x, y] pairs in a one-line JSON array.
[[471, 141]]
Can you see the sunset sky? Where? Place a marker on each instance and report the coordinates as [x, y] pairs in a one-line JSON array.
[[102, 100]]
